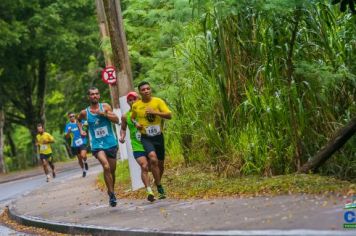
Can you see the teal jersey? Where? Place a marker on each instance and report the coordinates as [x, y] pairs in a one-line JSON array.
[[101, 132]]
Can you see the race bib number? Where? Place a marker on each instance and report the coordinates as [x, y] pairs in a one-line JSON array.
[[138, 136], [78, 142], [101, 132], [43, 147], [153, 130]]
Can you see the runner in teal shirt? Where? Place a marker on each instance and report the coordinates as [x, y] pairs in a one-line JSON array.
[[102, 137], [137, 148]]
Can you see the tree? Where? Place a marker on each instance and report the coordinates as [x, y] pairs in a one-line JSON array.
[[42, 38]]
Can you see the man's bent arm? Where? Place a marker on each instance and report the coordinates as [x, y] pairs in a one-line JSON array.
[[165, 115], [109, 114], [81, 116]]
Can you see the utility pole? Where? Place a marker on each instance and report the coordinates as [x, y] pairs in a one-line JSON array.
[[114, 89], [112, 18], [119, 45]]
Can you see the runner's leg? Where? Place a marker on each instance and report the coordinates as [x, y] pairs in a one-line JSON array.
[[80, 160], [81, 163], [50, 163], [154, 167], [107, 172], [112, 164], [83, 153], [142, 161], [44, 164]]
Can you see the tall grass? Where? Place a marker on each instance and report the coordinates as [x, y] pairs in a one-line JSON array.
[[256, 99]]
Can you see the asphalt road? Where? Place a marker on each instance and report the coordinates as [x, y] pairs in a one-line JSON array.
[[12, 190], [74, 200]]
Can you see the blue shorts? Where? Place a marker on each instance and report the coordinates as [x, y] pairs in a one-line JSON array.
[[138, 154]]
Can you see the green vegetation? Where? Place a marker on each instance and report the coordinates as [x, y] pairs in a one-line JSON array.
[[256, 87], [262, 85]]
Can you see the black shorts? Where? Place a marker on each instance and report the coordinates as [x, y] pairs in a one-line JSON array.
[[138, 154], [77, 150], [47, 157], [110, 152], [155, 144]]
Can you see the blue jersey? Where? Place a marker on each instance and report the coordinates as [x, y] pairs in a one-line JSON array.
[[76, 139], [101, 132]]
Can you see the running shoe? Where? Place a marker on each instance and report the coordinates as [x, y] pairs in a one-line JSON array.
[[161, 193], [47, 178], [54, 174], [150, 196], [84, 174], [86, 166], [112, 199]]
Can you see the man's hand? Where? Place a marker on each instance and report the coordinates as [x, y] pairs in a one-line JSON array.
[[137, 125], [149, 110], [122, 140], [102, 113]]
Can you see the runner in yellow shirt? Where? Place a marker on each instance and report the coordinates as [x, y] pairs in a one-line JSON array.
[[43, 142], [147, 115]]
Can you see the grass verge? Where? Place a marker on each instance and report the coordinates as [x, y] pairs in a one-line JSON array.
[[194, 183]]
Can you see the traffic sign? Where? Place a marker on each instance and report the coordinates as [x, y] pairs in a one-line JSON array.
[[108, 75]]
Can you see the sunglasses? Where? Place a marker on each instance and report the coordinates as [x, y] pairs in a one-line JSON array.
[[71, 116]]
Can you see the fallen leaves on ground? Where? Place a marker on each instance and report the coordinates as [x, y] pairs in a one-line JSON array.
[[5, 220]]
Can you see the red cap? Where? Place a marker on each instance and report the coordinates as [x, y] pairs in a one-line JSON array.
[[131, 94]]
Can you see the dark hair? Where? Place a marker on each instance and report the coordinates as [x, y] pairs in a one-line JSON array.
[[92, 88], [142, 84], [69, 113], [40, 125]]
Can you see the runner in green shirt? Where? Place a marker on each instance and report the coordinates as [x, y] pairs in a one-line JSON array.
[[137, 148]]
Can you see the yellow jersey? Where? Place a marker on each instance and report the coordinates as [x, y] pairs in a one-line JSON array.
[[152, 124], [45, 148]]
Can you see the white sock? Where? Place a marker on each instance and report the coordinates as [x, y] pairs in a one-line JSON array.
[[149, 189]]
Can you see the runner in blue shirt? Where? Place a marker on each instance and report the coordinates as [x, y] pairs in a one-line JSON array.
[[78, 143], [103, 141]]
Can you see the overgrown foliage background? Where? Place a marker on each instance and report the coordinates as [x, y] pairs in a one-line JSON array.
[[256, 87]]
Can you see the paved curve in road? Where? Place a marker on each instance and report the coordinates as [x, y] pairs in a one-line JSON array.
[[198, 217], [11, 190]]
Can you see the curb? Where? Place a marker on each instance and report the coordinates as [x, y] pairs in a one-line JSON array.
[[71, 228]]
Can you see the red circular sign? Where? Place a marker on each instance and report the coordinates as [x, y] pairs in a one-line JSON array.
[[108, 75]]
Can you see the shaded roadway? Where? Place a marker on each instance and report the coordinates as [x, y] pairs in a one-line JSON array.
[[76, 205]]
